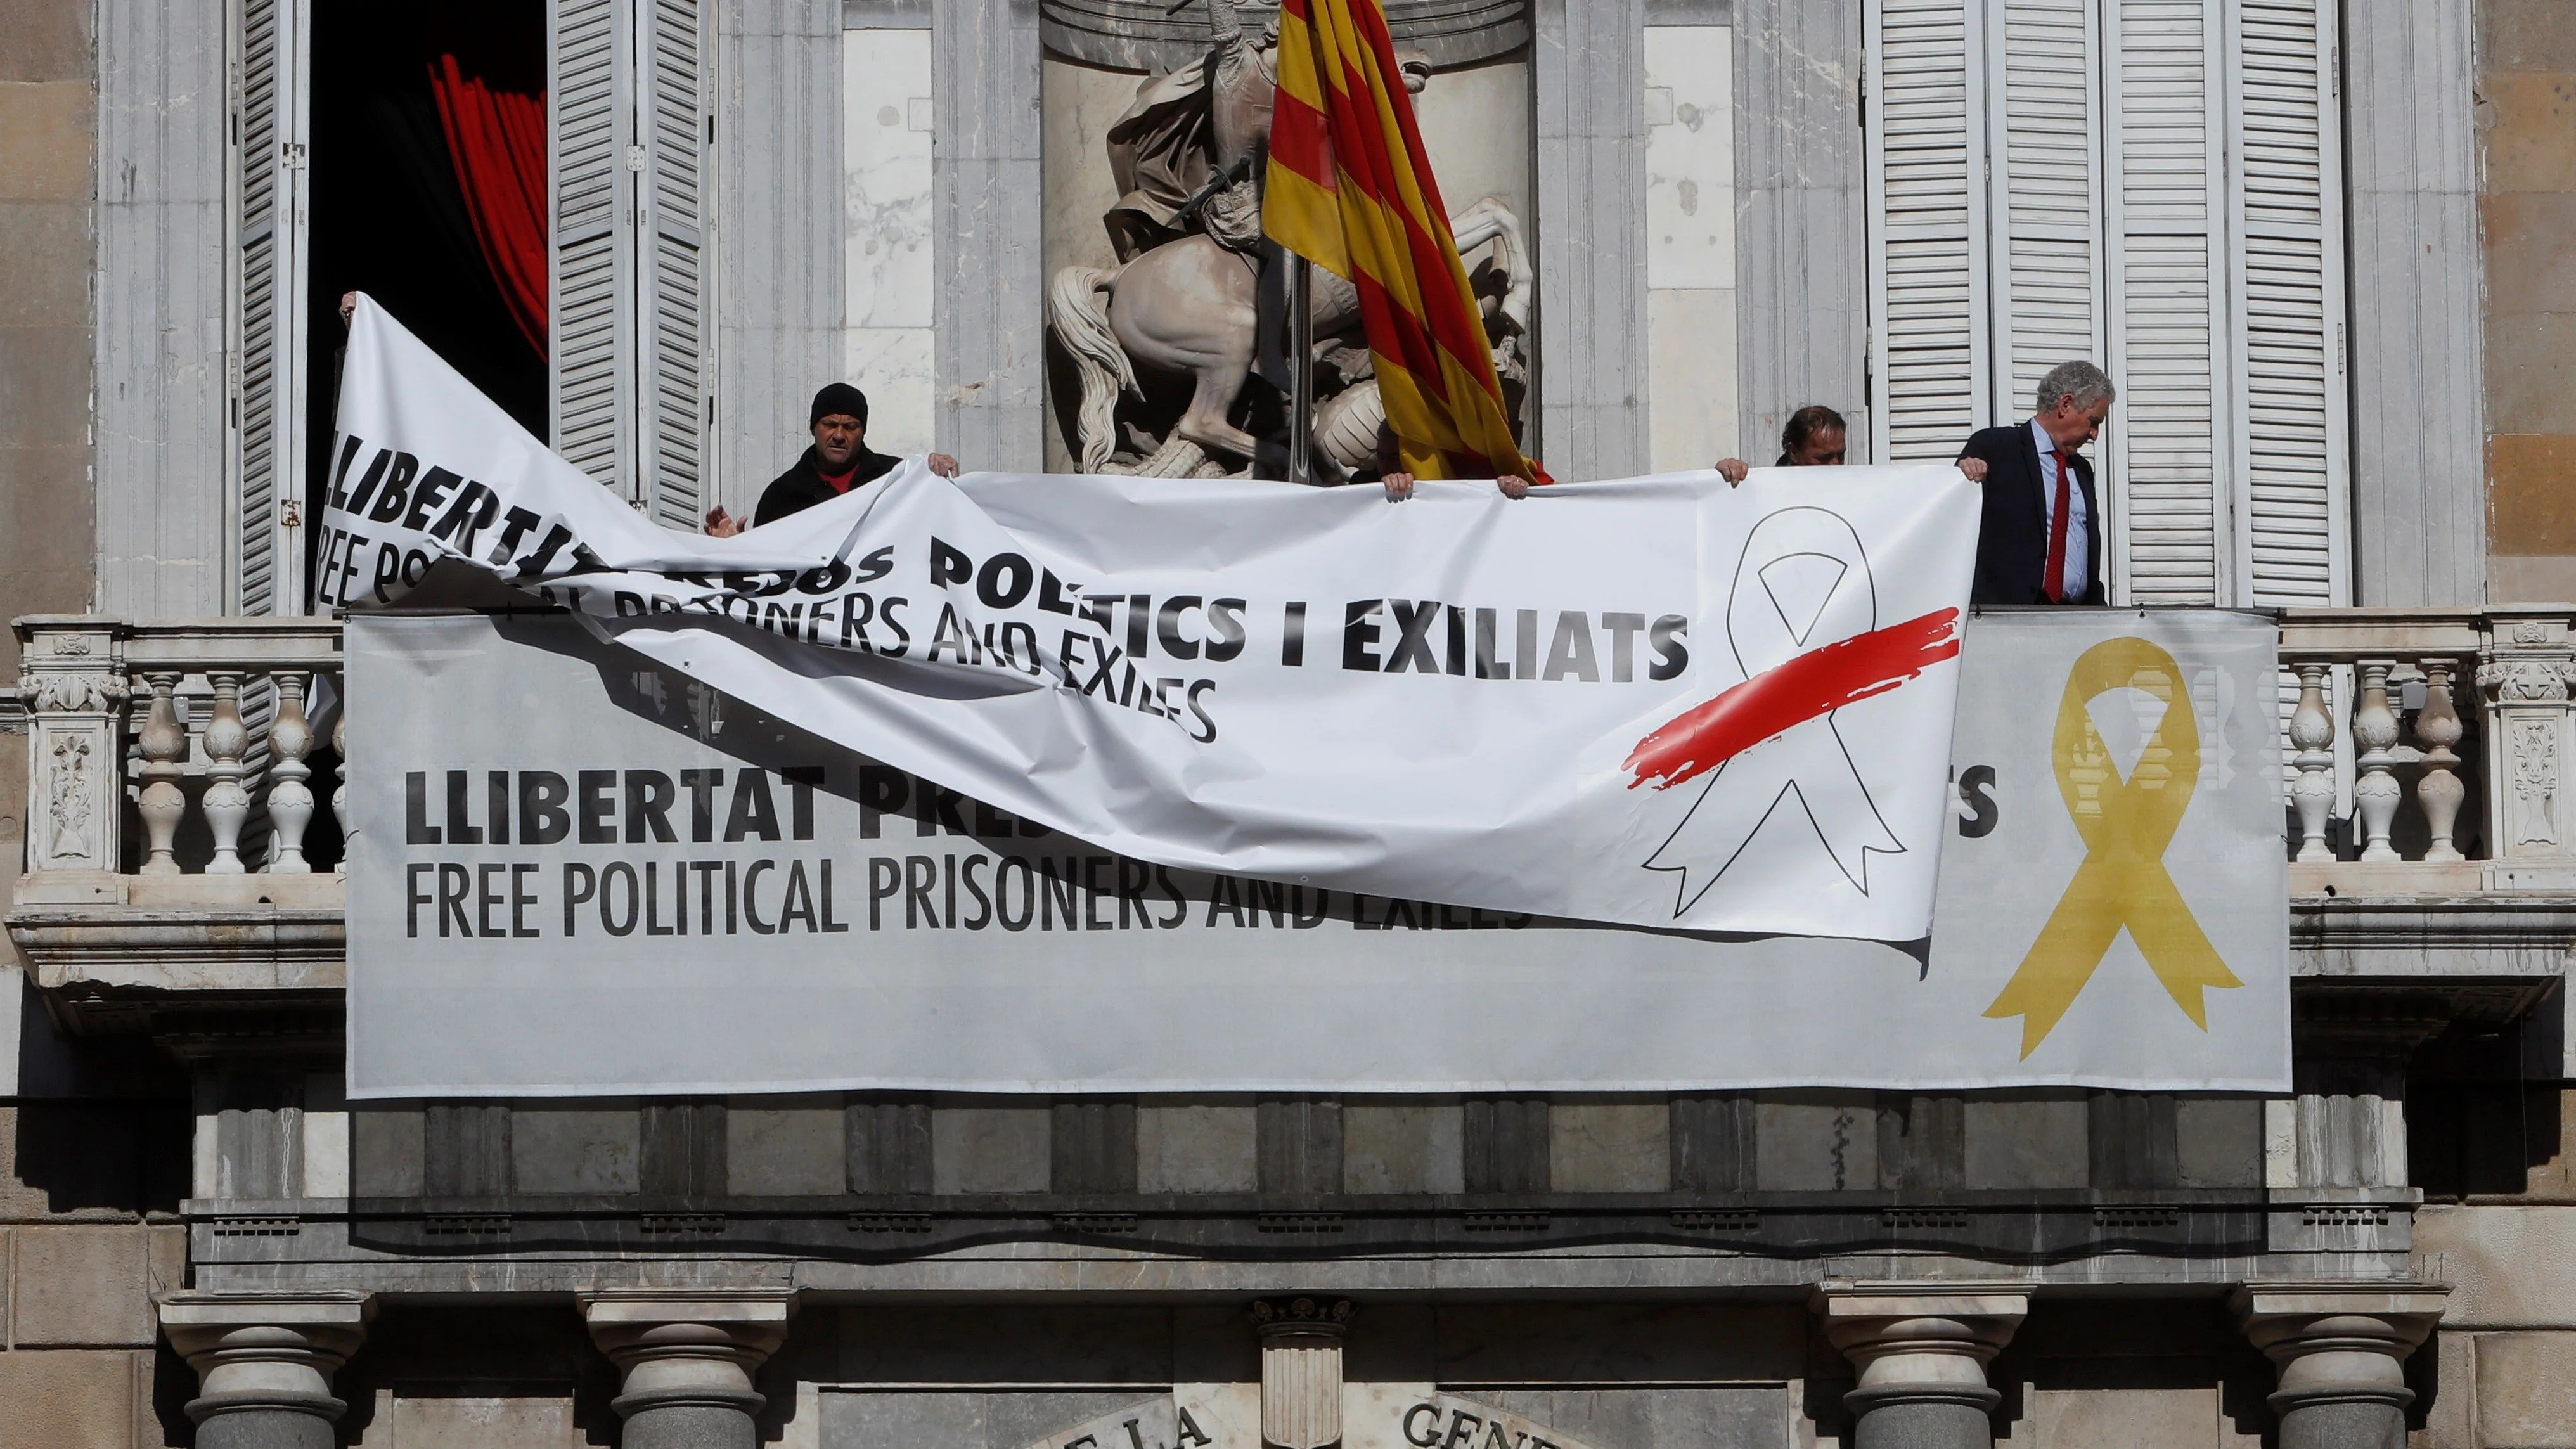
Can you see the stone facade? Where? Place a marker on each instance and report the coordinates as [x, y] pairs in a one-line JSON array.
[[2527, 198], [202, 1241]]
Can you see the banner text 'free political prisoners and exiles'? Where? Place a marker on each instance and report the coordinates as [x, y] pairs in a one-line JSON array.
[[1657, 702]]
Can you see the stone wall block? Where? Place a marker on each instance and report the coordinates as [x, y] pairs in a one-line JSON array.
[[989, 1149], [2133, 1140], [1610, 1147], [1815, 1141], [43, 40], [466, 1149], [1714, 1142], [1403, 1147], [69, 1399], [1922, 1141], [2508, 1267], [387, 1150], [573, 1149], [2526, 1387], [681, 1149], [2219, 1141], [776, 1150], [1198, 1148], [87, 1286], [2025, 1142]]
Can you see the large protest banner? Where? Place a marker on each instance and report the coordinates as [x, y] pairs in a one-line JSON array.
[[1585, 704], [1059, 784], [576, 871]]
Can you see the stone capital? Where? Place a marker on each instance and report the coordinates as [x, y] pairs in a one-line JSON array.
[[1920, 1343], [2339, 1342], [683, 1348], [256, 1352]]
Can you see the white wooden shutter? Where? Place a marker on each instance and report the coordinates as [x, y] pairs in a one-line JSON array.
[[2164, 143], [271, 43], [628, 405], [672, 318], [2044, 239], [1925, 176], [2287, 288], [591, 396]]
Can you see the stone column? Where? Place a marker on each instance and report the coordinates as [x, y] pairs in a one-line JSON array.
[[264, 1363], [1301, 1369], [688, 1359], [2341, 1349], [1922, 1356]]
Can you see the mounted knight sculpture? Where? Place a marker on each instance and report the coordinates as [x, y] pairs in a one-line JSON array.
[[1185, 303]]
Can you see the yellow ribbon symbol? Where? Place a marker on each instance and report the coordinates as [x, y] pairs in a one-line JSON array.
[[2126, 825]]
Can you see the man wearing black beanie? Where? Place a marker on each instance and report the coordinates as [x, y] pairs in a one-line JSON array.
[[838, 462]]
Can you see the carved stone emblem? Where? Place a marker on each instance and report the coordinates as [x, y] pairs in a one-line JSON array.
[[67, 795], [2526, 681], [70, 693], [2533, 753]]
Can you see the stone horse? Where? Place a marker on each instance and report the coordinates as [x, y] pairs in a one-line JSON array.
[[1189, 307]]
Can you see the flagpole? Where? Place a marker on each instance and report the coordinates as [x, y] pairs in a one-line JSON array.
[[1301, 369]]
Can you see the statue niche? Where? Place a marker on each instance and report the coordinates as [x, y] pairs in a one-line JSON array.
[[1163, 344]]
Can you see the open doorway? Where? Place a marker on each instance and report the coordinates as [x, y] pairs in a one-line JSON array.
[[428, 192]]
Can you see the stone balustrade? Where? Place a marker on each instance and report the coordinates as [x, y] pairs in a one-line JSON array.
[[176, 747], [2423, 748]]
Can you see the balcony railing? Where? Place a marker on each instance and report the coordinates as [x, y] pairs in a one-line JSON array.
[[181, 762]]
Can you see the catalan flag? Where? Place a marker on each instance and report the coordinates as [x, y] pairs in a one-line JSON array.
[[1350, 190]]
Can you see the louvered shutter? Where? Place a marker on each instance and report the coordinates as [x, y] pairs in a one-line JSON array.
[[2285, 207], [2164, 160], [672, 318], [271, 46], [589, 89], [2045, 201], [1925, 167], [629, 399]]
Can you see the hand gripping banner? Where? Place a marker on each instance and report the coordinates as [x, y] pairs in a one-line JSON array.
[[2126, 825]]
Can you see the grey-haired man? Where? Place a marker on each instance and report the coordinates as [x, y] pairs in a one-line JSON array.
[[2041, 538]]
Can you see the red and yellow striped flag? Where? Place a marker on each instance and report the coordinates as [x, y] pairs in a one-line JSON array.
[[1350, 190]]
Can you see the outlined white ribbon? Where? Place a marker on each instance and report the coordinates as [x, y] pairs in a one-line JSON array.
[[1802, 585]]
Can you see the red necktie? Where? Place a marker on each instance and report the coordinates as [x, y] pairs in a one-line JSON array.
[[2055, 584]]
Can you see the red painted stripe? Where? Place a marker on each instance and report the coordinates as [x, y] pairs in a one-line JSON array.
[[1787, 695]]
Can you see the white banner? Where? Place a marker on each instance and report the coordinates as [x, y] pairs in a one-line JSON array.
[[575, 871], [1659, 702]]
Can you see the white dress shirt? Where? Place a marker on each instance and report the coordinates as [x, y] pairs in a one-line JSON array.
[[2079, 524]]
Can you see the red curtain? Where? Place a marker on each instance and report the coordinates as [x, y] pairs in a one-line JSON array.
[[498, 140]]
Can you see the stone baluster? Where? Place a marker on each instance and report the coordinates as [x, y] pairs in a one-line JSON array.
[[340, 771], [2439, 791], [1921, 1357], [227, 802], [1301, 1369], [2375, 791], [2312, 732], [688, 1360], [74, 691], [290, 800], [264, 1363], [2341, 1349], [164, 741]]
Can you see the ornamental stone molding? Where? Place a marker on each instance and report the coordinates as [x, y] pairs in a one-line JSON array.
[[2341, 1349], [1921, 1351], [687, 1358], [264, 1363]]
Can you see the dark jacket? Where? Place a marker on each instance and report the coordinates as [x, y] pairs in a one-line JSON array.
[[802, 486], [2012, 540]]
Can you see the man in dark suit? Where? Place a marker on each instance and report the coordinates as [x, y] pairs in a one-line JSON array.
[[2041, 539]]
